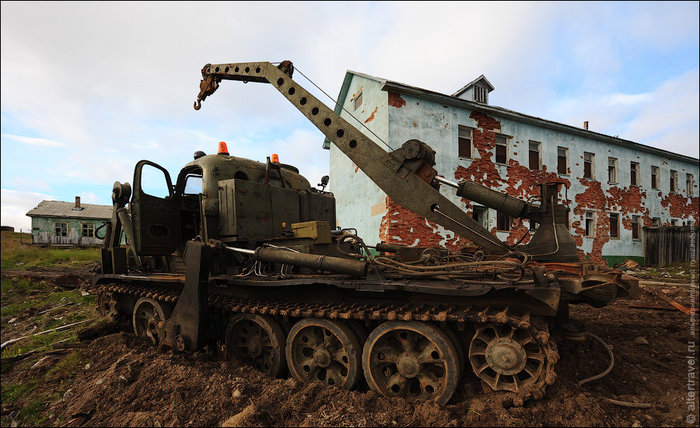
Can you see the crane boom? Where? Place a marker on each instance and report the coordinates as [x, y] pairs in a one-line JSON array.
[[405, 174]]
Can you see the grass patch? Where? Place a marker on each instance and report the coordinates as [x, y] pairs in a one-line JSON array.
[[16, 256], [41, 300]]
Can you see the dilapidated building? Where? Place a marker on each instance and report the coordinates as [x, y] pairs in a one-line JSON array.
[[615, 187], [59, 223]]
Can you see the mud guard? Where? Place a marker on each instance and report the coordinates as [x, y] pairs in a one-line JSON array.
[[186, 329]]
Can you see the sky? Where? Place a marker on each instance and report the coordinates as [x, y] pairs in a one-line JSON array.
[[89, 89]]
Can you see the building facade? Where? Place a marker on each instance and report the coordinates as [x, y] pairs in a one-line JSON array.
[[614, 187], [58, 223]]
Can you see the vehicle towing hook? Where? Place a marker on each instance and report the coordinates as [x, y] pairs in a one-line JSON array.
[[207, 86]]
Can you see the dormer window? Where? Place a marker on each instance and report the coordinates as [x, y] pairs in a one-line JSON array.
[[481, 94], [477, 90]]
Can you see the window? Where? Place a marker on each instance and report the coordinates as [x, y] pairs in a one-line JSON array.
[[588, 165], [656, 222], [562, 160], [689, 184], [634, 174], [614, 225], [464, 141], [612, 170], [655, 177], [673, 183], [534, 155], [674, 222], [533, 225], [501, 149], [588, 224], [502, 222], [61, 229], [480, 214], [635, 227], [88, 230], [358, 100]]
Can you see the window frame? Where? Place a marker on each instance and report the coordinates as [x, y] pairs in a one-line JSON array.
[[615, 164], [673, 181], [357, 101], [617, 226], [636, 227], [63, 227], [90, 227], [634, 174], [495, 154], [539, 155], [655, 178], [471, 141], [689, 184], [566, 160], [592, 164], [589, 215], [501, 216]]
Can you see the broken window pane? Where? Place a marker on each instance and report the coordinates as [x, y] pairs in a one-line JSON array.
[[464, 139], [614, 225], [501, 149], [562, 160], [534, 155], [588, 165]]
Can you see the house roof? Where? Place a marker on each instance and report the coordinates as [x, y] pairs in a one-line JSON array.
[[465, 87], [65, 210], [392, 86]]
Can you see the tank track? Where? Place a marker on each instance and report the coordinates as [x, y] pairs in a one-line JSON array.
[[460, 316]]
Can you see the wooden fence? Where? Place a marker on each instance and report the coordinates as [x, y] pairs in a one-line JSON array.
[[667, 245]]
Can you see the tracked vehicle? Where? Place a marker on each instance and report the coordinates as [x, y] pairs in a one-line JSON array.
[[245, 257]]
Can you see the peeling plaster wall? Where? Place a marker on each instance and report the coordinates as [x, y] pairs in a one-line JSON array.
[[360, 202], [402, 117], [43, 231]]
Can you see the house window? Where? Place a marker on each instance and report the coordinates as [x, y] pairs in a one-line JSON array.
[[358, 100], [534, 155], [588, 165], [588, 224], [562, 160], [673, 183], [61, 229], [480, 214], [635, 227], [614, 225], [533, 225], [501, 149], [656, 222], [689, 184], [88, 230], [655, 177], [612, 170], [634, 174], [502, 222], [674, 222], [464, 141]]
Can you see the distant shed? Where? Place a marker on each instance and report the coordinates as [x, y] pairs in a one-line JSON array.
[[59, 223]]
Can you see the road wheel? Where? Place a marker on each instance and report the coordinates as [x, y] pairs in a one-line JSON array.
[[258, 341], [323, 350], [414, 360], [148, 313]]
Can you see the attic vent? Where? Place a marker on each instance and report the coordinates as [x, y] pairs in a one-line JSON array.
[[481, 94]]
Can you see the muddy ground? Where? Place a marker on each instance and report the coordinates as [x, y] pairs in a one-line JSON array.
[[115, 379]]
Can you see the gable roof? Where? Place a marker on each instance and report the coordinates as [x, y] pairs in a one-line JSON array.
[[437, 97], [65, 210], [478, 79]]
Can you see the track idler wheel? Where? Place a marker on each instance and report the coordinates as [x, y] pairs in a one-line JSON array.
[[519, 360], [147, 316], [323, 350], [258, 341], [414, 360]]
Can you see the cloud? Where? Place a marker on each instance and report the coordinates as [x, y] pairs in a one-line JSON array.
[[16, 204], [33, 141]]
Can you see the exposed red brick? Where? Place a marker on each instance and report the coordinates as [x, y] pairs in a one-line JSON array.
[[681, 207], [395, 100], [371, 117]]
